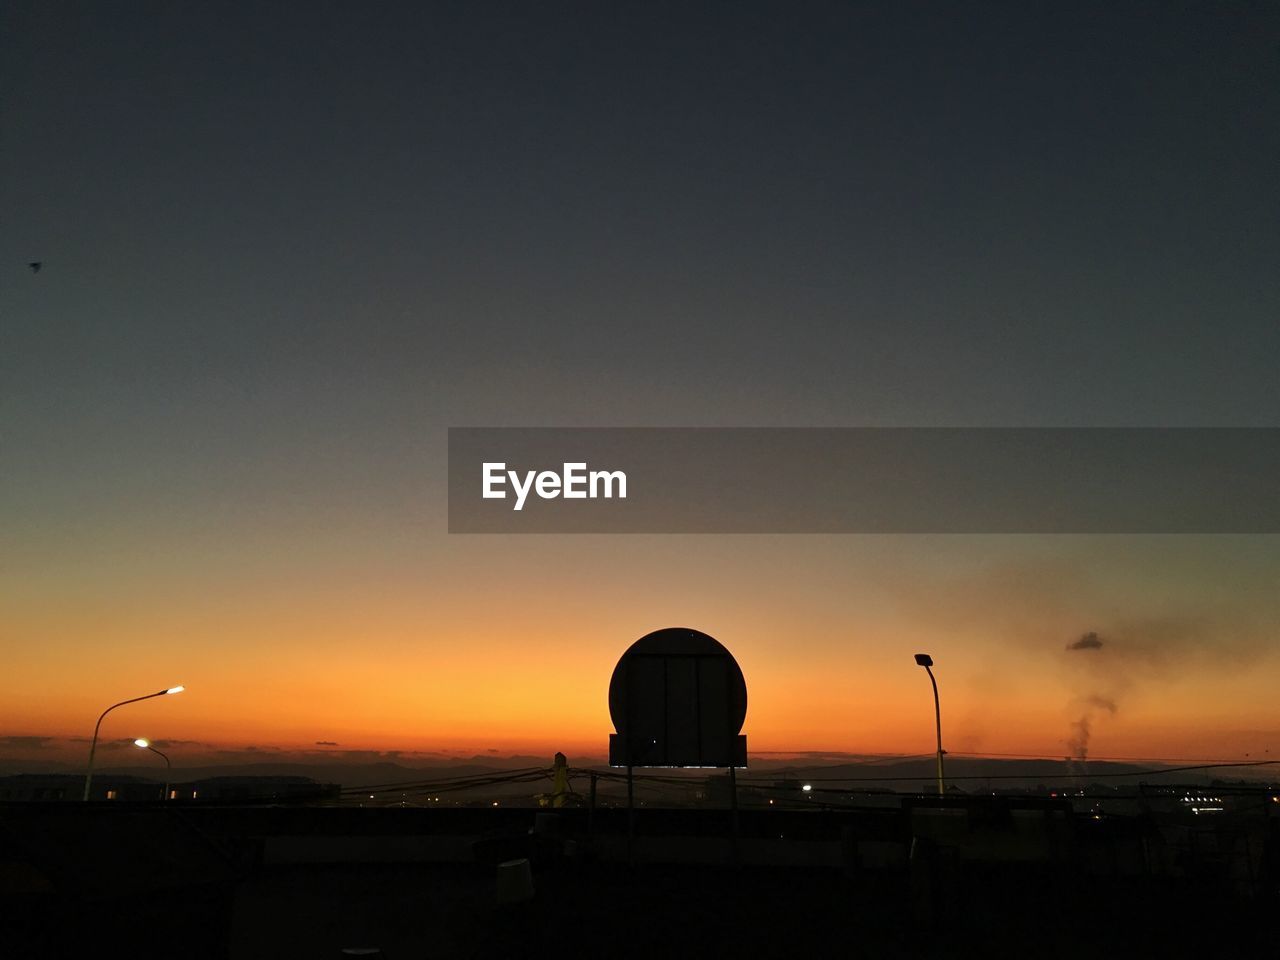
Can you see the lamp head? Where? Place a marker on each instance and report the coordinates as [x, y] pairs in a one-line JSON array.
[[140, 742], [924, 660], [177, 689]]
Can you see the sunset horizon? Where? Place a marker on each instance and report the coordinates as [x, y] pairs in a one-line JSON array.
[[1009, 682], [492, 479]]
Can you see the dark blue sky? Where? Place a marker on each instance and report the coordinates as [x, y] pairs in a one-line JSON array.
[[287, 245], [833, 213]]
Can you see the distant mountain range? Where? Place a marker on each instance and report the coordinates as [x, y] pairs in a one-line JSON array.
[[862, 773]]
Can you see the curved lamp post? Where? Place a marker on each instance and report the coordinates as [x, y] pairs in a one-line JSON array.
[[926, 661], [93, 747], [145, 744]]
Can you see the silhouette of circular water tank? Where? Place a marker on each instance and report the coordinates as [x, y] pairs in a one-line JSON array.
[[677, 699]]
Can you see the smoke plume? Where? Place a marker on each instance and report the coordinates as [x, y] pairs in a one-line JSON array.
[[1088, 707], [1078, 741]]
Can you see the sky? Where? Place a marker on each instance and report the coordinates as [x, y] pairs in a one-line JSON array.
[[285, 248]]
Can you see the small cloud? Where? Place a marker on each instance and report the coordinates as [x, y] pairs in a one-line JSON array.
[[25, 743], [326, 743], [1090, 641], [493, 750]]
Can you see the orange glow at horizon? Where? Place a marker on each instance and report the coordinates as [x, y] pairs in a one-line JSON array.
[[518, 660]]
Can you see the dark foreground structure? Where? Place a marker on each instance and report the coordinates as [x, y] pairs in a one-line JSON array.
[[988, 877]]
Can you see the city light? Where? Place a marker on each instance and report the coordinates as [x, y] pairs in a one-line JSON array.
[[93, 744]]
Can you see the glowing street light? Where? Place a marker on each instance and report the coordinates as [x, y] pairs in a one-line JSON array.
[[926, 661], [145, 744], [93, 746]]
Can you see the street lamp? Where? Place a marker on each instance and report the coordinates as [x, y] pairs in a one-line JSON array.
[[93, 746], [926, 661], [168, 767]]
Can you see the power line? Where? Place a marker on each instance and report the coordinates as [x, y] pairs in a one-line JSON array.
[[1091, 757]]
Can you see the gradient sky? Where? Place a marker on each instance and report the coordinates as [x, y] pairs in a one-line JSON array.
[[286, 247]]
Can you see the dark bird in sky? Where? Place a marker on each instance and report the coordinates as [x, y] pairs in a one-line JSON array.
[[35, 265]]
